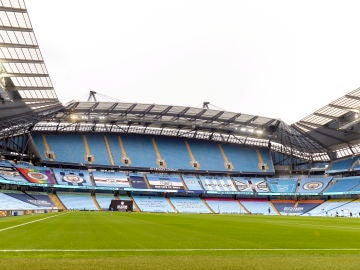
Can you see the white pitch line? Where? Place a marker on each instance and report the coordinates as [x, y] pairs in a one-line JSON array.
[[179, 249], [33, 221]]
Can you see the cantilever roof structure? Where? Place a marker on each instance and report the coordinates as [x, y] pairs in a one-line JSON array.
[[335, 126], [25, 85], [182, 121]]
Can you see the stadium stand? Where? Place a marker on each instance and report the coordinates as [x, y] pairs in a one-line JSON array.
[[343, 184], [67, 148], [343, 165], [330, 207], [248, 159], [225, 206], [291, 207], [147, 151], [40, 200], [140, 150], [97, 148], [282, 185], [153, 204], [11, 203], [208, 155], [104, 200], [77, 201], [174, 152], [189, 205], [258, 206]]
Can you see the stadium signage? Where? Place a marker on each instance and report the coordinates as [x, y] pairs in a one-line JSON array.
[[72, 178], [313, 185]]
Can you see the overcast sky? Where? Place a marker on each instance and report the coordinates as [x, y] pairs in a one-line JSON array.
[[282, 59]]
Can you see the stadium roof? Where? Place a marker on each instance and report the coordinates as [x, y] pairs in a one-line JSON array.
[[335, 126], [26, 90], [182, 121]]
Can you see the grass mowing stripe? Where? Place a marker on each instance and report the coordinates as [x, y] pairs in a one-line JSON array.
[[33, 221], [178, 249]]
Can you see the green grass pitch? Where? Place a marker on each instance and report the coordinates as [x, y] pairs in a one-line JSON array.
[[109, 240]]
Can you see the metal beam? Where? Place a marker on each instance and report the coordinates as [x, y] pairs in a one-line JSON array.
[[340, 107], [251, 120], [17, 45], [353, 97], [325, 116], [25, 75], [216, 116], [21, 88], [12, 9], [310, 124], [17, 29], [14, 60], [325, 134]]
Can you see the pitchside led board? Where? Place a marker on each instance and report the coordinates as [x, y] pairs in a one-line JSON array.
[[121, 205]]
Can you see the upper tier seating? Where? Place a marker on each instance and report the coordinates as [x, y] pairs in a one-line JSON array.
[[151, 152], [97, 148], [189, 205], [343, 165], [173, 151], [153, 204], [208, 155], [140, 150], [247, 159]]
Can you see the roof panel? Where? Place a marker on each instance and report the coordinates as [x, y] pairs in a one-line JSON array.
[[21, 63]]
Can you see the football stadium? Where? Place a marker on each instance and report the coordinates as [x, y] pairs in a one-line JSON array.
[[114, 185]]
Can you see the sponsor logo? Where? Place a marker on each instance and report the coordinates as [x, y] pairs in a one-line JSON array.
[[217, 185], [293, 209], [313, 185], [40, 202], [37, 176], [72, 178]]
